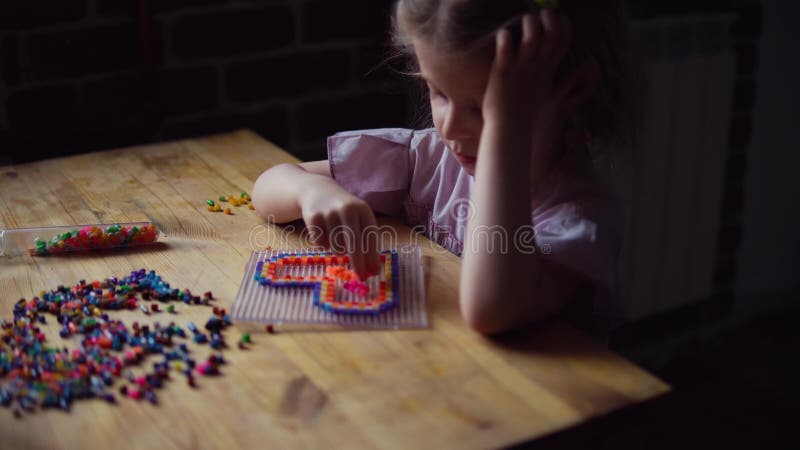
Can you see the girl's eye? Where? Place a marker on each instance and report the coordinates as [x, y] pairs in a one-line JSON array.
[[476, 110]]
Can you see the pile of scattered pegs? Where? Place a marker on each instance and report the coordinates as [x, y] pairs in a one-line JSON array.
[[242, 200]]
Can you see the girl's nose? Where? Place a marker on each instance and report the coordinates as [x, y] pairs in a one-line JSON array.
[[456, 125]]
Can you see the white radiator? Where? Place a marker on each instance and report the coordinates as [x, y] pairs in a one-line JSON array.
[[672, 190]]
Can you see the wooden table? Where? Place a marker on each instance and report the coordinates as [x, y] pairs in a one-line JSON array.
[[443, 387]]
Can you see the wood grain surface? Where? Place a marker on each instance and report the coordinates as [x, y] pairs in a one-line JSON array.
[[442, 387]]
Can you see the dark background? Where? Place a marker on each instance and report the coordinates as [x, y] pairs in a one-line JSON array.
[[84, 75]]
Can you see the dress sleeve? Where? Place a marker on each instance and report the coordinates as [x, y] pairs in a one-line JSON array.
[[373, 165], [579, 225], [397, 171], [584, 235], [582, 243]]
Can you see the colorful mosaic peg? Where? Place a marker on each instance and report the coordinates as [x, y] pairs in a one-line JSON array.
[[34, 374], [359, 287], [241, 200], [335, 286], [94, 237]]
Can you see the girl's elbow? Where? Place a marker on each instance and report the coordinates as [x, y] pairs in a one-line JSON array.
[[259, 187], [491, 315], [268, 194], [482, 316], [480, 323]]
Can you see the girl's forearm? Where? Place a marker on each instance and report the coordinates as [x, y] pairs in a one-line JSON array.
[[502, 180], [277, 193], [498, 279]]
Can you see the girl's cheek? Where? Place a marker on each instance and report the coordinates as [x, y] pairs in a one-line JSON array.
[[437, 115]]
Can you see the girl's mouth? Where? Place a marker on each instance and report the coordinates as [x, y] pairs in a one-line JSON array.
[[463, 159]]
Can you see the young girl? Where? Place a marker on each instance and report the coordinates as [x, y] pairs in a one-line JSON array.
[[516, 89]]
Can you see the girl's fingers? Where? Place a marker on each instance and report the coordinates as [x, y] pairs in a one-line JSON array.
[[315, 227], [369, 242], [358, 263], [550, 33], [337, 234], [531, 37], [557, 36], [366, 260], [502, 54], [356, 250], [349, 237]]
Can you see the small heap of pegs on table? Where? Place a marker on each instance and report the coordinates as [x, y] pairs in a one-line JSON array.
[[243, 200]]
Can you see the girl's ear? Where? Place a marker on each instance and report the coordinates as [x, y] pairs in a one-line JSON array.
[[580, 86]]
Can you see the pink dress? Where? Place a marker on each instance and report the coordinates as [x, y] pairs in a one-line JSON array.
[[412, 175]]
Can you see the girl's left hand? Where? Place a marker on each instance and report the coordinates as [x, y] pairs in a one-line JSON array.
[[522, 91]]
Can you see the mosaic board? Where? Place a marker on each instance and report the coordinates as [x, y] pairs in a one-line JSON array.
[[300, 287]]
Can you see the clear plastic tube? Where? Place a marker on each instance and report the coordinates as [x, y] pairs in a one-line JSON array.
[[55, 240]]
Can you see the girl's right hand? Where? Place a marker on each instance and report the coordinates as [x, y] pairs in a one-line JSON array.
[[342, 222], [522, 85]]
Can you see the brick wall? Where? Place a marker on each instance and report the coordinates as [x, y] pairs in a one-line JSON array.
[[80, 75]]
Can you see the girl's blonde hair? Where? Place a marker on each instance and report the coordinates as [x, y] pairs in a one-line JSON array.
[[468, 27]]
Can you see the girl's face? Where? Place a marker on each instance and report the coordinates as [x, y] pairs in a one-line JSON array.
[[456, 86]]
